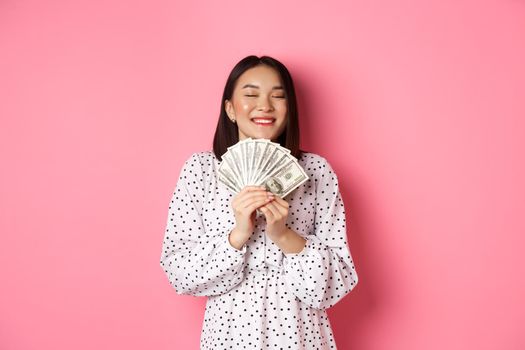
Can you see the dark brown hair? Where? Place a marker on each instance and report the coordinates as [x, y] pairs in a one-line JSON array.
[[227, 133]]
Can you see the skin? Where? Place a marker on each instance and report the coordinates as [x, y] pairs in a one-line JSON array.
[[249, 102], [265, 98]]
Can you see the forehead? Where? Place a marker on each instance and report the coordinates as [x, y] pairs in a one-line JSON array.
[[262, 76]]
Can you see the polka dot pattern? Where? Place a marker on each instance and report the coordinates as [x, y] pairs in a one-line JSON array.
[[259, 297]]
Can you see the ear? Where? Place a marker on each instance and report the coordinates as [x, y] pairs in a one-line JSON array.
[[229, 109]]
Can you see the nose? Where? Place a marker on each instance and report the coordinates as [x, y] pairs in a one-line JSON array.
[[264, 104]]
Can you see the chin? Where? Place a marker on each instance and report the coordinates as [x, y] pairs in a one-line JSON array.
[[266, 136], [257, 134]]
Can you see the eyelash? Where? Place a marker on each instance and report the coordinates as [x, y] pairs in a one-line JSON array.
[[273, 96]]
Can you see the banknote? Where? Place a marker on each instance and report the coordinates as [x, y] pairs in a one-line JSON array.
[[285, 179], [260, 162]]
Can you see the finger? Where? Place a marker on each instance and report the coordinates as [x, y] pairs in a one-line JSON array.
[[281, 204], [256, 205], [275, 211], [251, 188], [250, 202], [280, 210], [250, 197], [267, 212], [281, 201], [246, 191], [249, 193]]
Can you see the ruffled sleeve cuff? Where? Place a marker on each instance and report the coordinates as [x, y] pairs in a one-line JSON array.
[[229, 247]]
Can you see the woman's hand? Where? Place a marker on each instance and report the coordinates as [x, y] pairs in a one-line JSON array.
[[276, 213], [244, 205]]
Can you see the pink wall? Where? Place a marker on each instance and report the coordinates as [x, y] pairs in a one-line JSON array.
[[419, 106]]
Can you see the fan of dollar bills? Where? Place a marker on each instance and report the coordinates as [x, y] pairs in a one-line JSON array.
[[261, 162]]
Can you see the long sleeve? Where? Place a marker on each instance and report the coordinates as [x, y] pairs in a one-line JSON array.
[[323, 272], [198, 261]]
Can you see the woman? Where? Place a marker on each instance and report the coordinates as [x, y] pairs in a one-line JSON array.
[[269, 274]]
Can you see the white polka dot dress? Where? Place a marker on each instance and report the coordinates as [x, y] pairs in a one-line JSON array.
[[259, 297]]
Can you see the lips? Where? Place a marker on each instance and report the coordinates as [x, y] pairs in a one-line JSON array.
[[263, 120]]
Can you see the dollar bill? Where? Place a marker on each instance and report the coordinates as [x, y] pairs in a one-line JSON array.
[[260, 162], [285, 179], [260, 147], [275, 159], [227, 175], [229, 162], [250, 148], [234, 154]]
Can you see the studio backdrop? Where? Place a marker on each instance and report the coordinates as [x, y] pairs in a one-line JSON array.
[[418, 106]]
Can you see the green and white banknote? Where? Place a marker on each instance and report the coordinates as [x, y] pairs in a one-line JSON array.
[[259, 162]]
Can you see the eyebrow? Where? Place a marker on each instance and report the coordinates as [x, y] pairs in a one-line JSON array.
[[279, 87]]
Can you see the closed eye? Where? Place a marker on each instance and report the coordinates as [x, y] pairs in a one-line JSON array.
[[272, 96]]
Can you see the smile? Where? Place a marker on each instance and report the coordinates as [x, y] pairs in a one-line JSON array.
[[263, 121]]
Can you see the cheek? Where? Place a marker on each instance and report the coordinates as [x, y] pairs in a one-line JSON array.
[[282, 109], [245, 105], [282, 114]]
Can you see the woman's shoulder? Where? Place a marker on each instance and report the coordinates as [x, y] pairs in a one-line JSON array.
[[310, 156], [204, 160], [312, 161], [202, 156], [315, 164]]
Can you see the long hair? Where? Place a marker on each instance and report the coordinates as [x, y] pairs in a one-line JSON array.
[[227, 133]]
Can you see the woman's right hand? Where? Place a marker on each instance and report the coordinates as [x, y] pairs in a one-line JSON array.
[[244, 205]]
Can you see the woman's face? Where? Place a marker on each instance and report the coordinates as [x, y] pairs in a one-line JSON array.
[[258, 104]]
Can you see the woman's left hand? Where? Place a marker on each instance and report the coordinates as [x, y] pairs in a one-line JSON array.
[[276, 213]]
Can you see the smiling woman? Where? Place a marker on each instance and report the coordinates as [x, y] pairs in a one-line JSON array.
[[270, 267], [259, 104]]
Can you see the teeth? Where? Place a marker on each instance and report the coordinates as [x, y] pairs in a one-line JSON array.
[[263, 121]]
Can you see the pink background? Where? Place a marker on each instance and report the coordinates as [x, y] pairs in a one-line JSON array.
[[419, 107]]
